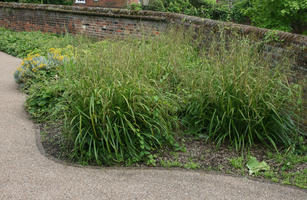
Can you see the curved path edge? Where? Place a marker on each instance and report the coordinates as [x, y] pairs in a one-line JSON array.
[[27, 172]]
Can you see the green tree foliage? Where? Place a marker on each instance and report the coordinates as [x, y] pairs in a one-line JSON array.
[[202, 8], [285, 15]]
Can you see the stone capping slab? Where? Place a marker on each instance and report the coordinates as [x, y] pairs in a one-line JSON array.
[[146, 15]]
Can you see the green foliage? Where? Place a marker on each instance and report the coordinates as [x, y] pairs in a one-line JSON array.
[[116, 115], [288, 161], [243, 101], [120, 101], [254, 166], [288, 168], [201, 8], [285, 15], [38, 76], [135, 6], [43, 102], [37, 65], [191, 165], [237, 162], [20, 44], [239, 11]]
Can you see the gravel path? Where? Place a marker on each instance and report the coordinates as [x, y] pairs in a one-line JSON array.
[[25, 173]]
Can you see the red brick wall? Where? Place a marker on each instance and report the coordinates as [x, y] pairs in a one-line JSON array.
[[107, 3], [48, 18]]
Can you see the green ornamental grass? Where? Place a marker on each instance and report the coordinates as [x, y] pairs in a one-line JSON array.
[[119, 101]]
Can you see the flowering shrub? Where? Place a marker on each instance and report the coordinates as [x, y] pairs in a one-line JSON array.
[[34, 64]]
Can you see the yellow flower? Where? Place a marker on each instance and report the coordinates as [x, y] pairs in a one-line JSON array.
[[60, 58], [29, 58]]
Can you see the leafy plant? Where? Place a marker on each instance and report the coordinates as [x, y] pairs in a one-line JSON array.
[[237, 162], [285, 15], [255, 166], [20, 44], [135, 6], [201, 8], [35, 66], [44, 101], [191, 165]]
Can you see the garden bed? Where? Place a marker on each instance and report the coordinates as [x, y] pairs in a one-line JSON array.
[[167, 101]]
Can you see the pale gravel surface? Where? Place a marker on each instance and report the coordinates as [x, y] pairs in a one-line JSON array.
[[25, 173]]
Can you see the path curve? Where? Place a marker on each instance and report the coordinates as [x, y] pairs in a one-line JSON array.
[[26, 174]]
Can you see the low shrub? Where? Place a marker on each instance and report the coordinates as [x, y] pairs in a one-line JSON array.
[[36, 67], [44, 101]]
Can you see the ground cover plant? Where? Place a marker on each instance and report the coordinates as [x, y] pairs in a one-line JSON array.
[[20, 44], [156, 100]]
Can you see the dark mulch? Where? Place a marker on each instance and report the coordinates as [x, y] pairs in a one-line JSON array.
[[208, 156], [204, 154], [54, 142]]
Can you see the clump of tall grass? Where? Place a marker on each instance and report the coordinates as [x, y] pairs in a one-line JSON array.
[[122, 100], [116, 111], [241, 96]]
